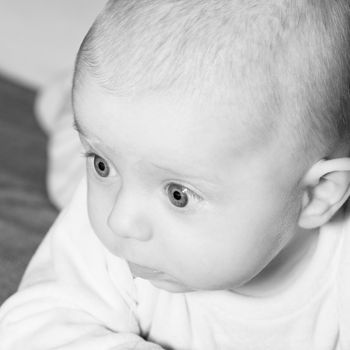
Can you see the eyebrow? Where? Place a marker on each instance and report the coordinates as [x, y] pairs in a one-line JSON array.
[[213, 183]]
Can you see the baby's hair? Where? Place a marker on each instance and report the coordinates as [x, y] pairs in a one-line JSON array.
[[290, 58]]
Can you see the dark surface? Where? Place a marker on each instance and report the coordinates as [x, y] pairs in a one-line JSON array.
[[25, 211]]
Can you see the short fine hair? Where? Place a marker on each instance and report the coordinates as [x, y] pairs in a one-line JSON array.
[[291, 56]]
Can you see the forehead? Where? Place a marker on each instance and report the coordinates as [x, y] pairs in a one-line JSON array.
[[232, 124], [198, 141]]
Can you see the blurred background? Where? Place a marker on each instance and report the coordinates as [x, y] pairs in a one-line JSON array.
[[38, 41]]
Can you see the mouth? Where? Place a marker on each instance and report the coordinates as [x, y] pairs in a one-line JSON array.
[[144, 272], [158, 278]]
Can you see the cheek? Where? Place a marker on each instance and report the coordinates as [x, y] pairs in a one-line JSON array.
[[260, 230], [228, 248], [205, 254], [99, 206], [208, 263]]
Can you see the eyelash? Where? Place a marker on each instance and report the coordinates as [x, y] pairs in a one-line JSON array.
[[88, 154]]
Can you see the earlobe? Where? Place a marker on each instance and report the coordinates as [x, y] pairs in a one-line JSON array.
[[327, 187]]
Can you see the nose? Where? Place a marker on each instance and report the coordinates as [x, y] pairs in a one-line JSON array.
[[128, 217]]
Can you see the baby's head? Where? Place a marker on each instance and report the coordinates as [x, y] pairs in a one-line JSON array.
[[212, 130]]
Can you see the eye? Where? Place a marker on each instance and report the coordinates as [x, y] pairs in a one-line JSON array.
[[179, 195], [101, 166]]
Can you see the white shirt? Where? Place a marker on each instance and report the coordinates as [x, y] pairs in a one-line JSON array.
[[75, 295]]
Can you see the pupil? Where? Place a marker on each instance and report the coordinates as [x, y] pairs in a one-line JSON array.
[[177, 195], [101, 166]]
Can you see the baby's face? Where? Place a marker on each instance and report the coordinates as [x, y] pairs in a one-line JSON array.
[[181, 192]]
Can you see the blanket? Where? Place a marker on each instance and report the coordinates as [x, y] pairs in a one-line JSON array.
[[25, 210]]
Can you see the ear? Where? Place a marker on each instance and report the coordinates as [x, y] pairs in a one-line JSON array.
[[327, 187]]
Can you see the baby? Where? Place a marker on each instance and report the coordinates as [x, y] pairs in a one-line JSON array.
[[212, 214]]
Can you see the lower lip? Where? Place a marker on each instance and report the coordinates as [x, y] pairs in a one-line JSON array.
[[157, 278], [144, 272]]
